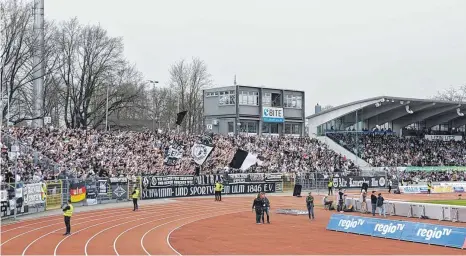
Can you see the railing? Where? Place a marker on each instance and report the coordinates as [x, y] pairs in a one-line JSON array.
[[35, 197], [417, 210]]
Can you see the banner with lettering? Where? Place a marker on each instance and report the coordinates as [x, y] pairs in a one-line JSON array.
[[254, 177], [206, 190], [173, 154], [32, 194], [165, 181], [357, 181], [444, 137], [77, 191]]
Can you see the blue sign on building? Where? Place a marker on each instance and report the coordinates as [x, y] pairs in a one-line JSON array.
[[272, 115], [400, 230]]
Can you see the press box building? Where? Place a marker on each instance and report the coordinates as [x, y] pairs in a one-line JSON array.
[[256, 111]]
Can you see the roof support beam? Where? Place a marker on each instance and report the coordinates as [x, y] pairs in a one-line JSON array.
[[458, 122], [419, 116], [350, 119], [397, 113], [436, 120]]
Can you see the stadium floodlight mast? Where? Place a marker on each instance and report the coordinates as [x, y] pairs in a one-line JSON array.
[[153, 82]]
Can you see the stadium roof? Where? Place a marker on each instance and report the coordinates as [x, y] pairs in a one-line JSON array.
[[401, 112]]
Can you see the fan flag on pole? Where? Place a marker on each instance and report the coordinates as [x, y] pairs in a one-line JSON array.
[[243, 160], [200, 153], [180, 117]]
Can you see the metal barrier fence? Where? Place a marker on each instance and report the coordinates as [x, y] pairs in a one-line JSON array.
[[22, 199], [417, 210], [318, 182], [37, 197]]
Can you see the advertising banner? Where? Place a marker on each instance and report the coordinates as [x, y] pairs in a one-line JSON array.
[[400, 230], [420, 189], [436, 189], [205, 190], [272, 115], [444, 137], [357, 181]]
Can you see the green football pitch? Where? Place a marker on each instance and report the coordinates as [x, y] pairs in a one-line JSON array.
[[457, 202]]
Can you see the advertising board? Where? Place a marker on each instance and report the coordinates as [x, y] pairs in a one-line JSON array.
[[448, 236], [444, 137], [272, 115]]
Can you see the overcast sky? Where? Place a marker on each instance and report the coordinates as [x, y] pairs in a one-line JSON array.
[[336, 51]]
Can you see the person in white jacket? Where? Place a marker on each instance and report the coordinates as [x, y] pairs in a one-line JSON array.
[[362, 199]]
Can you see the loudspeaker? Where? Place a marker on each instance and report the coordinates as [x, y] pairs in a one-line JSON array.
[[297, 190]]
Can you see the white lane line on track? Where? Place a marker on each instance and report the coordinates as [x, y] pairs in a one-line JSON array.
[[169, 234], [142, 238], [82, 215], [30, 244], [183, 213], [107, 215], [118, 237], [85, 248]]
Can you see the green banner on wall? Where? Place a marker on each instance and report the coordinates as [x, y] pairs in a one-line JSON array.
[[432, 168]]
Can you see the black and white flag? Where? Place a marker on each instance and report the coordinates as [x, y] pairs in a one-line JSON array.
[[173, 154], [200, 153], [243, 160]]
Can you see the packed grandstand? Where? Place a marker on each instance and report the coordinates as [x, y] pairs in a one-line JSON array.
[[52, 152], [57, 153]]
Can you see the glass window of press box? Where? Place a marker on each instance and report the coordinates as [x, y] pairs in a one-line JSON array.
[[271, 99], [248, 127], [231, 127], [270, 128], [292, 101], [249, 98], [293, 129], [227, 98]]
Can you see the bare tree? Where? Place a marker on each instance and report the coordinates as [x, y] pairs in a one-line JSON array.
[[91, 62], [452, 94], [189, 79], [17, 51]]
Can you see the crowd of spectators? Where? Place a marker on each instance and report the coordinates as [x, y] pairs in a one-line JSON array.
[[78, 153], [387, 149]]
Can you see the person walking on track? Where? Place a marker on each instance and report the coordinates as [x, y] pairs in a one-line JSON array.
[[258, 205], [310, 205], [266, 209], [68, 212], [218, 191], [135, 196]]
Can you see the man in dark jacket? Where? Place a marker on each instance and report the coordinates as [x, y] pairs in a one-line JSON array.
[[373, 202], [258, 205], [340, 200], [310, 205], [266, 209]]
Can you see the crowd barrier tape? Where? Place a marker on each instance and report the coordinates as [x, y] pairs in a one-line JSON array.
[[448, 236]]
